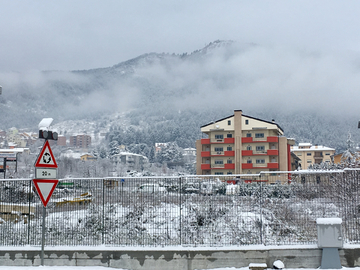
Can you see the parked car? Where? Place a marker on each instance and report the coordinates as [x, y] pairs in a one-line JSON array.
[[212, 187], [190, 188], [150, 188]]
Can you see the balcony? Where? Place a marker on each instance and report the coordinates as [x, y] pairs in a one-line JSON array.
[[273, 152], [247, 165], [226, 166], [230, 166], [272, 139], [205, 166], [205, 141], [246, 152], [229, 140], [256, 140], [218, 153], [270, 152], [218, 141], [205, 154], [273, 165], [246, 139], [229, 153]]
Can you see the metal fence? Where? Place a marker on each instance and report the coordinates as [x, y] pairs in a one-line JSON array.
[[269, 208]]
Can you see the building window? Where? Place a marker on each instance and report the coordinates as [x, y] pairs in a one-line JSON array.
[[259, 135], [229, 122], [248, 135], [260, 161], [229, 135], [246, 122], [327, 154], [229, 148], [308, 161], [219, 173], [229, 161], [219, 137], [248, 147], [219, 162], [308, 154], [249, 161], [229, 173], [260, 148], [299, 154], [219, 149]]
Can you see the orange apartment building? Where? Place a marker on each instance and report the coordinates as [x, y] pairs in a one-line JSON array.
[[241, 144]]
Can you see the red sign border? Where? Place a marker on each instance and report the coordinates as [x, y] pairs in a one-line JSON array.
[[36, 181], [38, 165]]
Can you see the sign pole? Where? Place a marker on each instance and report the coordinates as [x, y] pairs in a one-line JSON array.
[[43, 236], [45, 184]]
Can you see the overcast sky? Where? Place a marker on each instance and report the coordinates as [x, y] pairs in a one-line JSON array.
[[85, 34]]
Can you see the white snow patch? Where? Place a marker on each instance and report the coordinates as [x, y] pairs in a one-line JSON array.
[[328, 221]]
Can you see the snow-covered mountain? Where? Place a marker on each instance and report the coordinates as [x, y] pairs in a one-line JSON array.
[[308, 94]]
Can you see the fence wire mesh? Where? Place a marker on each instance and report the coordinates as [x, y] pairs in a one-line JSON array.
[[272, 208]]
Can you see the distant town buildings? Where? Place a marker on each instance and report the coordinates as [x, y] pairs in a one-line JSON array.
[[80, 141], [312, 154], [87, 157], [159, 146], [13, 138], [61, 141], [237, 144], [131, 160]]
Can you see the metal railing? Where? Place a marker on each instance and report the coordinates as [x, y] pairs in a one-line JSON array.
[[271, 208]]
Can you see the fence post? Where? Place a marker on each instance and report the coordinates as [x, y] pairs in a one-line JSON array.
[[181, 206], [261, 223], [103, 213], [29, 196]]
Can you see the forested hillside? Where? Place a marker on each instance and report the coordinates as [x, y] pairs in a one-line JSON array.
[[167, 97]]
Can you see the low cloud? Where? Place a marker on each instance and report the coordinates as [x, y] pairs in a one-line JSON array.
[[238, 76]]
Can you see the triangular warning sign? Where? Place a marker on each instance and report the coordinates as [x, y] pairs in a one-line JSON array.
[[45, 189], [46, 158]]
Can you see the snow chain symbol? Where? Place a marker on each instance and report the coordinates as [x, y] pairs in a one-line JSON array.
[[47, 158]]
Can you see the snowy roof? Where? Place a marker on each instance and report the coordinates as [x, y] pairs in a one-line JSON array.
[[305, 144], [128, 154], [13, 150], [329, 221], [312, 148], [71, 154]]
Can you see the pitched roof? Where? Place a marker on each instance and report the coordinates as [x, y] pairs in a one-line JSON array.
[[269, 122]]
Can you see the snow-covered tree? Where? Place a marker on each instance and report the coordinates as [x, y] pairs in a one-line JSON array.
[[170, 153], [114, 148]]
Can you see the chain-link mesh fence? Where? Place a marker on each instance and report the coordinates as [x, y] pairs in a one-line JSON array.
[[273, 208]]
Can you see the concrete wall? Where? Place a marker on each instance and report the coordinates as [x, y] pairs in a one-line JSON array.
[[175, 258]]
